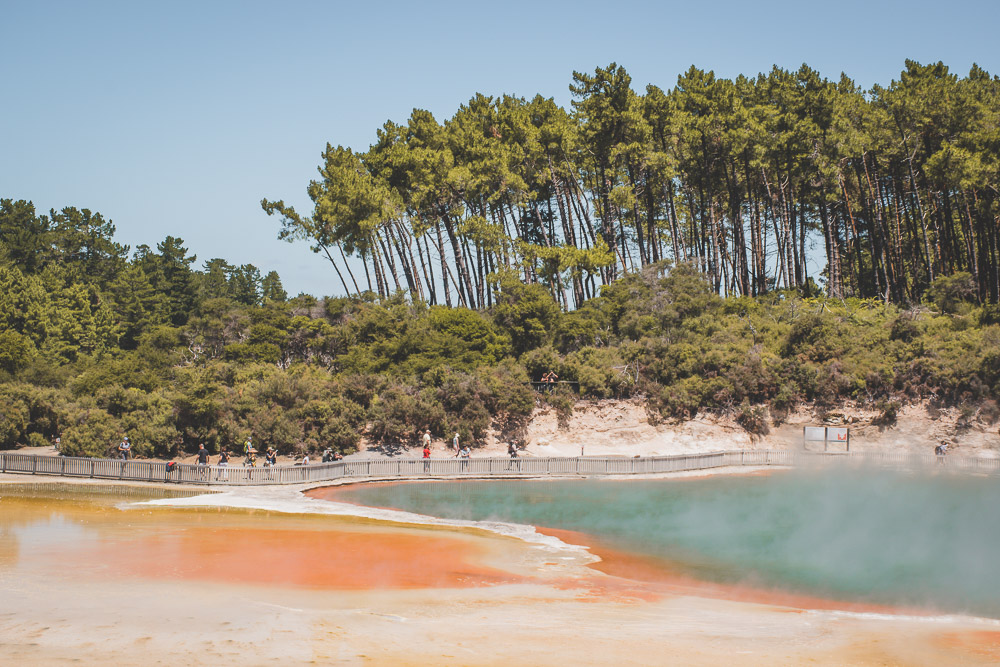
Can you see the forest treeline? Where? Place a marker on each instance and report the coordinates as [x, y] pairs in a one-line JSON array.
[[98, 340], [884, 190]]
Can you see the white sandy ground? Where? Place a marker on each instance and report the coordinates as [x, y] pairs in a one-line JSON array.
[[623, 428], [568, 614]]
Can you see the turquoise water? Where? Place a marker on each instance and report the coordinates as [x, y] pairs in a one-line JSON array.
[[927, 541]]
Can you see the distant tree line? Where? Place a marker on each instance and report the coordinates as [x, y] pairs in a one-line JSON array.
[[899, 184]]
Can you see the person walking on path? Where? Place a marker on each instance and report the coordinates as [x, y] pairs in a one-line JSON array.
[[426, 440], [454, 443], [427, 458]]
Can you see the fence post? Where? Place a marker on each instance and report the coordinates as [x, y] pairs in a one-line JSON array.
[[34, 464]]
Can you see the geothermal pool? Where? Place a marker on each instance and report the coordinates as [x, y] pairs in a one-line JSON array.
[[95, 574], [921, 542]]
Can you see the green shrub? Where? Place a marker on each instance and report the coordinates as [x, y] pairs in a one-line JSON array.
[[953, 294], [888, 413], [91, 432], [400, 414], [753, 418], [563, 402]]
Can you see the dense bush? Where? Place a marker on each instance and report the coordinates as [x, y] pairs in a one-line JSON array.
[[92, 349]]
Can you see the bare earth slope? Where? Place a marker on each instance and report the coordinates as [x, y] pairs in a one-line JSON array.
[[622, 428]]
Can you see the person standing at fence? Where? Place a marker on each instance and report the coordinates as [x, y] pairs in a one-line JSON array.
[[125, 448], [464, 455], [249, 453], [426, 439], [223, 463], [202, 460], [427, 458]]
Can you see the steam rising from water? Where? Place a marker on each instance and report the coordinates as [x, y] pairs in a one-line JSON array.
[[926, 540]]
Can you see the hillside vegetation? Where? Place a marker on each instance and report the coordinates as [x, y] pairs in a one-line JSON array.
[[96, 343]]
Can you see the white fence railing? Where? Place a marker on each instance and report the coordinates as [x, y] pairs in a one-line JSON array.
[[397, 468]]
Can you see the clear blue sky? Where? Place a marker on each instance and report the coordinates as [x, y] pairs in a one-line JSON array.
[[178, 117]]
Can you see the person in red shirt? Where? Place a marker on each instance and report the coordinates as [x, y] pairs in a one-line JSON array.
[[427, 457]]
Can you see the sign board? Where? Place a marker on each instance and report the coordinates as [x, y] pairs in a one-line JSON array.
[[836, 434], [839, 435], [815, 433]]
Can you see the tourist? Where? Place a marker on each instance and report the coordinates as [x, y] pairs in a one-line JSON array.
[[327, 455], [427, 458], [202, 461], [271, 457], [125, 448], [549, 379], [223, 463], [464, 455], [427, 438], [249, 453], [454, 443], [305, 460]]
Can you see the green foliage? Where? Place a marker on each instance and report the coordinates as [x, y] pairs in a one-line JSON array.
[[90, 432], [526, 313], [953, 294], [562, 401]]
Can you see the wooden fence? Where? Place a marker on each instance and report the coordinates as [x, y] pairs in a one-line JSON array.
[[400, 468]]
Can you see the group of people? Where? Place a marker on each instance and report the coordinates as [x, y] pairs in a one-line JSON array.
[[329, 455], [461, 452], [250, 455]]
